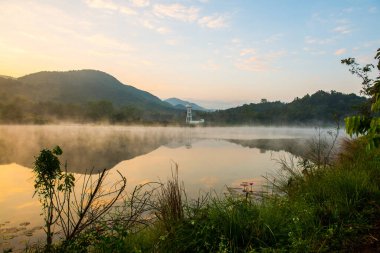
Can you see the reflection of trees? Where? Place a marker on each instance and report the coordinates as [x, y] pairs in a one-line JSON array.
[[101, 147], [84, 147], [293, 146]]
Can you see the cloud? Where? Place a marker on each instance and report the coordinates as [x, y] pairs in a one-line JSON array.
[[163, 30], [318, 18], [211, 65], [252, 64], [348, 10], [102, 4], [252, 61], [372, 9], [213, 22], [107, 44], [159, 29], [236, 41], [313, 51], [176, 11], [311, 40], [340, 51], [127, 10], [273, 38], [247, 51], [172, 42], [342, 30], [276, 54], [110, 6], [140, 3]]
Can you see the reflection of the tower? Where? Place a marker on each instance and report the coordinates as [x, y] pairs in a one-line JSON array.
[[188, 137]]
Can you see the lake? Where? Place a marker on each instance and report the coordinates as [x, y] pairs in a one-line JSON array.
[[208, 158]]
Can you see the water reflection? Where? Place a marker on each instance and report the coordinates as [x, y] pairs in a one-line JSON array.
[[208, 158], [295, 146], [102, 147], [84, 147]]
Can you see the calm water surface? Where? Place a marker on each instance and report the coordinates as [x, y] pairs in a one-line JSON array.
[[207, 158]]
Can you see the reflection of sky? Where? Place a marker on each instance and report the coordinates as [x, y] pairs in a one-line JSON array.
[[210, 163], [17, 205]]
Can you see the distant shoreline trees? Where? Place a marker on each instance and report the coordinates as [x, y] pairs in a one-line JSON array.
[[319, 108]]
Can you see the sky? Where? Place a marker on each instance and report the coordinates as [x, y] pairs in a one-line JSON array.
[[217, 53]]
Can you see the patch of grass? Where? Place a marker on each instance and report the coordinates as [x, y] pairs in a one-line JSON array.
[[334, 208]]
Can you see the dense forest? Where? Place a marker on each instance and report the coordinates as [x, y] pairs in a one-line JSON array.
[[94, 96], [319, 108]]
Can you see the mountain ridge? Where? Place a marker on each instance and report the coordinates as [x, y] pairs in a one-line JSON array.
[[179, 103], [93, 95], [81, 86]]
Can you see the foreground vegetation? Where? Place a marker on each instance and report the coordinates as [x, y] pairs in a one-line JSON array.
[[311, 206]]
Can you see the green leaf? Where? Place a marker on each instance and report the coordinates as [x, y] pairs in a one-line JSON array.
[[57, 150]]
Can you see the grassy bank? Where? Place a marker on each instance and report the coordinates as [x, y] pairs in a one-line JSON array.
[[313, 209]]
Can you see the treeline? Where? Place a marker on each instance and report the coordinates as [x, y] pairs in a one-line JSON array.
[[20, 110], [319, 108]]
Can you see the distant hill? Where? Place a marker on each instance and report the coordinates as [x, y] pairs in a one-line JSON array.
[[319, 108], [181, 104], [80, 87], [6, 77], [95, 96], [83, 95]]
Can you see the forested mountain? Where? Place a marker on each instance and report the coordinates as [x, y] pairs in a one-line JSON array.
[[181, 104], [319, 108], [80, 87], [78, 95]]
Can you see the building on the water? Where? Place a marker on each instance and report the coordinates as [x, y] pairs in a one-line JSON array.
[[189, 117]]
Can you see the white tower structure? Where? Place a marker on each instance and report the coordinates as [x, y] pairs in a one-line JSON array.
[[189, 117]]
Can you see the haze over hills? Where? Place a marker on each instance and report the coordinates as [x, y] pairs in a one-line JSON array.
[[80, 87], [79, 96], [181, 104], [93, 96]]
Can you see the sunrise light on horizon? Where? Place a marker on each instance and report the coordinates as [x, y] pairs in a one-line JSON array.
[[216, 53]]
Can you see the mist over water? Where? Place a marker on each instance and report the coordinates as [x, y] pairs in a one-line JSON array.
[[101, 147], [84, 147], [208, 158]]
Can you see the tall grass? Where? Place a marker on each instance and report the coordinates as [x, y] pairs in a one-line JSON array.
[[334, 208], [170, 207]]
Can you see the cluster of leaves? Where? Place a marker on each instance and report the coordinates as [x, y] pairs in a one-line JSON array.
[[367, 124], [49, 181]]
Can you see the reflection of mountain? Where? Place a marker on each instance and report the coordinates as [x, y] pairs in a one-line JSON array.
[[293, 146], [176, 144], [99, 147], [83, 148], [181, 104]]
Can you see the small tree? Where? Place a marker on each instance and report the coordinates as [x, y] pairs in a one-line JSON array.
[[367, 124], [72, 213], [49, 181]]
